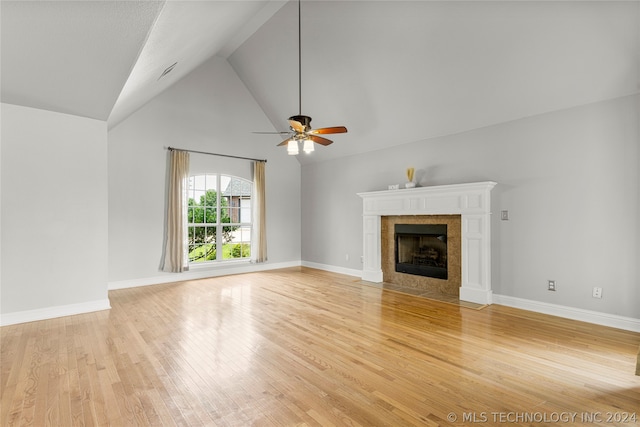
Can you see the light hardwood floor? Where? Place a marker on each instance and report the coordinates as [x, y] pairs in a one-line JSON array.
[[302, 347]]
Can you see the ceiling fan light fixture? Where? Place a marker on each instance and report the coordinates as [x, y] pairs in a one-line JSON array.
[[292, 147], [308, 146]]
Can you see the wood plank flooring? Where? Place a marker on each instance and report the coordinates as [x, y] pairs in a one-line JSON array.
[[302, 347]]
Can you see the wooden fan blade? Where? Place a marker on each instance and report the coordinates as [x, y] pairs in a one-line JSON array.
[[296, 126], [285, 142], [320, 140], [325, 131]]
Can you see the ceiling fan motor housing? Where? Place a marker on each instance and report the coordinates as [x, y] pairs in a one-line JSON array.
[[303, 120]]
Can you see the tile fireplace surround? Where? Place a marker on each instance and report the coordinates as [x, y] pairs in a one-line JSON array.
[[471, 201]]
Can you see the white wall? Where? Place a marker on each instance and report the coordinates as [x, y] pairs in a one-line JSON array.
[[569, 180], [208, 110], [54, 214]]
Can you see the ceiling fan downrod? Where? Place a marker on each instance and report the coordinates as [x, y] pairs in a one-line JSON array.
[[299, 60]]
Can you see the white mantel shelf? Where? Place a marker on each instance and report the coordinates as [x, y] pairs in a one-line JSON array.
[[471, 201]]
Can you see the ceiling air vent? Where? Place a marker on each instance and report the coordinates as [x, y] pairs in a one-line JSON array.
[[167, 70]]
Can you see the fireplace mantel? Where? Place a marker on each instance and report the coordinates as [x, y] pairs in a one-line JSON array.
[[471, 201]]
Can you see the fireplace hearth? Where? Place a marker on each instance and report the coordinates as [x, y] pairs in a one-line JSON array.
[[421, 249]]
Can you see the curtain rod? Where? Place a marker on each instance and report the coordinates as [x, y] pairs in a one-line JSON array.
[[217, 154]]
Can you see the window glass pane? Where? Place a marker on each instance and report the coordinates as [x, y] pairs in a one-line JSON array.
[[224, 212], [191, 187], [198, 196], [224, 183], [245, 210], [194, 254], [190, 212], [211, 252], [197, 214], [212, 181], [246, 234], [210, 198], [210, 215], [227, 234], [236, 250], [210, 234], [197, 235], [234, 215], [199, 182]]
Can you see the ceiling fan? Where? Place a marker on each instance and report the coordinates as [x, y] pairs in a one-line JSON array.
[[300, 125]]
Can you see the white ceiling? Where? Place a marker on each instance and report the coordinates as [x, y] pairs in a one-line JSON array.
[[72, 57], [396, 72], [103, 59], [188, 32], [393, 72]]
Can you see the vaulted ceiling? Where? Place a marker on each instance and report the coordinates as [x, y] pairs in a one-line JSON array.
[[393, 72]]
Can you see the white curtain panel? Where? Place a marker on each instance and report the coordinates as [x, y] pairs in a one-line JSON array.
[[259, 238], [176, 255]]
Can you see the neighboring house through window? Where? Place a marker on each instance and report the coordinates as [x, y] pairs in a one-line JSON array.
[[219, 218]]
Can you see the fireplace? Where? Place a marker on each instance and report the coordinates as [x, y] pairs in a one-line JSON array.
[[470, 202], [421, 249], [421, 254]]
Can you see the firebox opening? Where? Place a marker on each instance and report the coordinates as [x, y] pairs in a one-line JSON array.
[[421, 249]]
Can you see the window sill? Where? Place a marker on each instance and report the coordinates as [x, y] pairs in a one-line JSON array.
[[213, 265]]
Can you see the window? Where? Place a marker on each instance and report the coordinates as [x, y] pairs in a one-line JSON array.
[[219, 218]]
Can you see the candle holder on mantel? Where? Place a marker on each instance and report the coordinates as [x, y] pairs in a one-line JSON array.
[[410, 183]]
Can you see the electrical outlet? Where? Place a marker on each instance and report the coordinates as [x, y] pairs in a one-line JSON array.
[[597, 292], [504, 215], [346, 257], [552, 285], [361, 259]]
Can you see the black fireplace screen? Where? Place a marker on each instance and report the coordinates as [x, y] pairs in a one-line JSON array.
[[421, 249]]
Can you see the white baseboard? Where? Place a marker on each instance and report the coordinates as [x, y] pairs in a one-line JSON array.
[[53, 312], [479, 296], [200, 273], [333, 268], [596, 317], [374, 276]]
